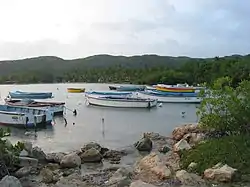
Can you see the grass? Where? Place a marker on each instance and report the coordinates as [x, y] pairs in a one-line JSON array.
[[231, 150]]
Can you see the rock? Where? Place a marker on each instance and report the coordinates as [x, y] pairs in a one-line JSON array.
[[91, 145], [120, 178], [38, 153], [189, 179], [52, 166], [140, 183], [26, 161], [27, 146], [55, 157], [194, 138], [181, 145], [152, 168], [172, 160], [144, 144], [24, 171], [74, 180], [47, 175], [164, 149], [91, 155], [220, 173], [192, 167], [113, 155], [3, 170], [24, 153], [29, 182], [179, 132], [70, 161], [10, 181]]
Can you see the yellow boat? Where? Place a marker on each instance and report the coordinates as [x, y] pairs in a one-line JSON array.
[[76, 90]]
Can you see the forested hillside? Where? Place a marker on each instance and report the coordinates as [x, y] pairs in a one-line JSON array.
[[146, 69]]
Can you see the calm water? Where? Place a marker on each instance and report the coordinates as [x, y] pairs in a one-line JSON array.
[[122, 127]]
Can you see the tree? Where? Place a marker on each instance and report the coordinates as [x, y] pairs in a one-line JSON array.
[[225, 108]]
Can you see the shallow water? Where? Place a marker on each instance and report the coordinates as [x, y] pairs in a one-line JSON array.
[[121, 127]]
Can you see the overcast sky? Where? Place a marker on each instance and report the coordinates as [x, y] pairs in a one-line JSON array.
[[79, 28]]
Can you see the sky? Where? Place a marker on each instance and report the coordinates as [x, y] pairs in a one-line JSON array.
[[79, 28]]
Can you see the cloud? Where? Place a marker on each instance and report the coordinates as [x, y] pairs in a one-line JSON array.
[[78, 28]]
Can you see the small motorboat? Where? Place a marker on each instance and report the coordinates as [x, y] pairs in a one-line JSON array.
[[76, 90], [128, 88], [176, 94], [24, 117], [121, 101], [56, 107], [108, 93], [30, 95]]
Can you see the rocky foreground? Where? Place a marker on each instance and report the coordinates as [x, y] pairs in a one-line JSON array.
[[157, 165]]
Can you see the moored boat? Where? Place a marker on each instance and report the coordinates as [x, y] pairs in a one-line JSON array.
[[121, 102], [76, 90], [175, 88], [56, 107], [176, 94], [171, 99], [24, 117], [108, 93], [30, 95], [128, 88]]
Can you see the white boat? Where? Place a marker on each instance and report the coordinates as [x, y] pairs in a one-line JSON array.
[[24, 117], [56, 107], [171, 99], [121, 101]]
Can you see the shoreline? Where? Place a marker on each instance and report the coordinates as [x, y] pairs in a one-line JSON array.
[[154, 159]]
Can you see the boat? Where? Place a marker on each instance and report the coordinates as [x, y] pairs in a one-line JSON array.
[[24, 117], [121, 101], [170, 98], [56, 107], [76, 90], [30, 95], [108, 93], [128, 88], [175, 88], [177, 94]]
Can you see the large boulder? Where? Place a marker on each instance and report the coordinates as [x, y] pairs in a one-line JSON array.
[[27, 146], [194, 138], [120, 178], [179, 132], [26, 161], [55, 157], [47, 175], [91, 155], [140, 183], [220, 173], [38, 153], [24, 171], [172, 160], [91, 145], [181, 145], [70, 161], [10, 181], [144, 144], [189, 179], [153, 168]]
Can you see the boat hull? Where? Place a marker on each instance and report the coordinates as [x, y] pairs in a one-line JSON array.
[[172, 99], [108, 93], [175, 89], [127, 88], [121, 103], [18, 120], [30, 95], [56, 108], [176, 94], [76, 90]]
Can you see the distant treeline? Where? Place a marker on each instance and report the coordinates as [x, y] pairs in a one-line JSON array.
[[148, 69]]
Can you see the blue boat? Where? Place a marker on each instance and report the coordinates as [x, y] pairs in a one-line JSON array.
[[30, 95], [128, 88], [176, 94], [108, 93]]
